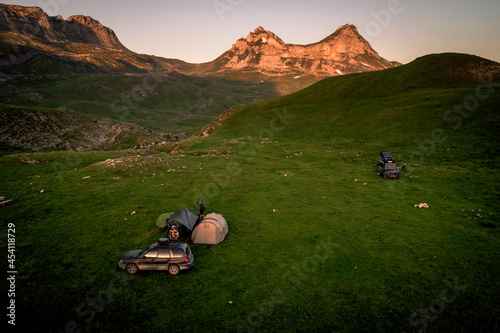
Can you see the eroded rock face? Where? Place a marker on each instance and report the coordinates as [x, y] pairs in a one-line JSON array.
[[344, 51], [68, 130], [32, 21]]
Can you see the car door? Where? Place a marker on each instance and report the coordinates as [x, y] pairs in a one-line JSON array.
[[148, 260], [163, 259]]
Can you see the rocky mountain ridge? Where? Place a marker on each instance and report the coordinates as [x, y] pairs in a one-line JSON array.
[[33, 42], [345, 51], [34, 22]]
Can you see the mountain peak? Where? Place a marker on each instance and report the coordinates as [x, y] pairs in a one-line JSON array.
[[345, 51], [345, 27], [87, 20], [259, 29], [263, 36], [27, 11], [33, 21]]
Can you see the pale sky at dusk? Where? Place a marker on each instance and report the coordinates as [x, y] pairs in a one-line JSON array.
[[201, 30]]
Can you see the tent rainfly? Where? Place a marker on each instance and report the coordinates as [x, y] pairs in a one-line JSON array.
[[184, 217], [211, 230], [162, 219]]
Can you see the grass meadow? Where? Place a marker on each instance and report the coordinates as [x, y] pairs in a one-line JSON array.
[[317, 242]]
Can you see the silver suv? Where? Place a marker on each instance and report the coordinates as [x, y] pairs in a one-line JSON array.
[[163, 256]]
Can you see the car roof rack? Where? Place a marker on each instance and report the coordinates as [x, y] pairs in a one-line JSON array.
[[386, 157]]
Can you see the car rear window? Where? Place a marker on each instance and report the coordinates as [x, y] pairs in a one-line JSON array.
[[177, 253], [164, 254]]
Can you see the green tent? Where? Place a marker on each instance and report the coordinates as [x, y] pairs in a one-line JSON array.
[[162, 220]]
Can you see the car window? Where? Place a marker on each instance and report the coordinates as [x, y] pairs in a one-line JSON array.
[[177, 253], [151, 254], [164, 254]]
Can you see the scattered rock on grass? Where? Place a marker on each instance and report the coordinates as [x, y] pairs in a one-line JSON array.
[[422, 205]]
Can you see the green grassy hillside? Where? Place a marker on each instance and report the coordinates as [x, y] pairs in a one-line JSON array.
[[317, 242], [162, 102]]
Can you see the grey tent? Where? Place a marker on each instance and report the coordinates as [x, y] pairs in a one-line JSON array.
[[184, 217], [211, 230]]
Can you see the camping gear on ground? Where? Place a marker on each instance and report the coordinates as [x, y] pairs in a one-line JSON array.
[[185, 217], [4, 202], [162, 241], [211, 230], [151, 231], [174, 233]]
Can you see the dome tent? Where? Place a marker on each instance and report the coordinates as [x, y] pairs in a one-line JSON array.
[[184, 217], [211, 230]]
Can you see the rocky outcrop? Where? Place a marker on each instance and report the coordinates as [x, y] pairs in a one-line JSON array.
[[344, 51], [215, 124], [44, 44], [32, 21], [67, 130]]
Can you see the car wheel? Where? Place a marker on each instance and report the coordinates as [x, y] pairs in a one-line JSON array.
[[132, 268], [385, 176], [173, 269], [378, 172]]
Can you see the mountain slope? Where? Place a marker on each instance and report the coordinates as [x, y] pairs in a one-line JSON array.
[[31, 42], [45, 129], [162, 102], [54, 53], [412, 101], [33, 22]]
